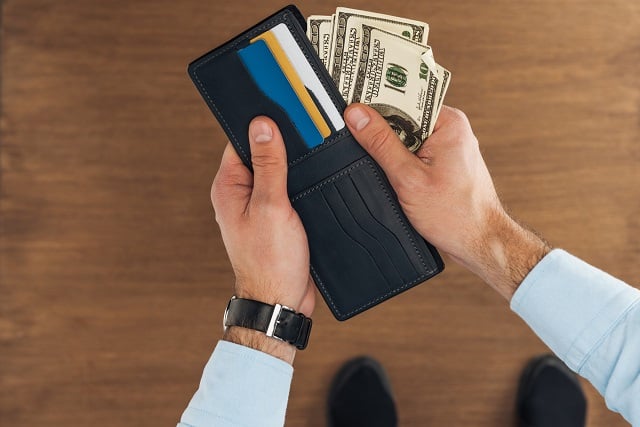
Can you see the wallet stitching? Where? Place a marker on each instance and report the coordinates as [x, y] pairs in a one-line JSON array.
[[418, 279], [381, 186], [402, 222], [216, 54], [427, 274], [224, 122], [328, 143], [329, 181], [284, 18]]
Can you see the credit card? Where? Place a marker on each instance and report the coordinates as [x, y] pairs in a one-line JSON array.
[[265, 71], [292, 75], [307, 75]]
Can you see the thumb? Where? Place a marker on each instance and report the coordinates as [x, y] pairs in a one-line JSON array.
[[376, 136], [269, 160]]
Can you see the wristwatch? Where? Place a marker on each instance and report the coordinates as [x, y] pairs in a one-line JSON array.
[[276, 321]]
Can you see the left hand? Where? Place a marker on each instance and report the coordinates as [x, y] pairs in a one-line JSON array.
[[264, 237]]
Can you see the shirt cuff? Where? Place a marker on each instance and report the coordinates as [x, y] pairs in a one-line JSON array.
[[240, 386], [571, 305]]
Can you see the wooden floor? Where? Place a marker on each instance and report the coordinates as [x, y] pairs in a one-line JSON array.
[[113, 276]]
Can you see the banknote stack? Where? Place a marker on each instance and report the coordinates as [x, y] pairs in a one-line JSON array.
[[385, 62]]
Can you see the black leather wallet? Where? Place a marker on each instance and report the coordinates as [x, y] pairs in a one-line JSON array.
[[363, 248]]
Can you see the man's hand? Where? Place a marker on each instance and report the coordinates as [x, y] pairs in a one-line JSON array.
[[448, 195], [264, 237]]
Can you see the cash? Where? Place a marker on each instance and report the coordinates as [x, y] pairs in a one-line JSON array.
[[319, 31], [383, 61]]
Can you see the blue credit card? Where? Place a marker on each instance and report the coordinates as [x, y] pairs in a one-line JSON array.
[[270, 78]]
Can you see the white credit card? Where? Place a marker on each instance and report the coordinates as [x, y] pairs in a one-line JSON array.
[[307, 74]]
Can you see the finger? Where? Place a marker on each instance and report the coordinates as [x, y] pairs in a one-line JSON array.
[[269, 160], [230, 156], [451, 130], [452, 133], [375, 135], [449, 115], [231, 187]]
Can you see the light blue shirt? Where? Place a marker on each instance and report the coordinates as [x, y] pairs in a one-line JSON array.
[[590, 319]]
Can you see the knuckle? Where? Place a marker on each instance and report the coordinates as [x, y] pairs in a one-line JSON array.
[[216, 198], [218, 216], [222, 185], [220, 190], [458, 115], [379, 138], [216, 189], [459, 118], [265, 161], [216, 202], [473, 140]]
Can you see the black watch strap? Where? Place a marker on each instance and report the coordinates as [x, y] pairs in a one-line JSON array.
[[277, 321]]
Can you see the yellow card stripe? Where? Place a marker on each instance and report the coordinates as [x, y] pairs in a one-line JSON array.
[[296, 83]]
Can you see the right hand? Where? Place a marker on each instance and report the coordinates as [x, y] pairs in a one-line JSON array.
[[444, 188], [447, 193]]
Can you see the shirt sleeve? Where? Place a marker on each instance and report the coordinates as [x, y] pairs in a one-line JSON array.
[[240, 386], [591, 320]]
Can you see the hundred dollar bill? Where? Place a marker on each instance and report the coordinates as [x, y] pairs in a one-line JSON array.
[[347, 34], [444, 77], [319, 31], [443, 85], [393, 79]]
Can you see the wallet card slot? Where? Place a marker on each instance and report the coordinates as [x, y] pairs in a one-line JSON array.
[[356, 246], [278, 82], [335, 252], [350, 224], [323, 163], [323, 113], [374, 227], [220, 77], [302, 64], [238, 100], [378, 252], [387, 210]]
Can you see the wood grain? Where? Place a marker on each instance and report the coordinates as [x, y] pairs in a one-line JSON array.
[[113, 276]]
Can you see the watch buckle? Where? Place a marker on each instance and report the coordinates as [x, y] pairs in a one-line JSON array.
[[275, 319]]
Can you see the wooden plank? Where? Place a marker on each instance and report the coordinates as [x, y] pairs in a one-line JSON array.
[[113, 276]]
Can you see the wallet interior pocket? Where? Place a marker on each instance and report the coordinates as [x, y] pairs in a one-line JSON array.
[[238, 99], [364, 250]]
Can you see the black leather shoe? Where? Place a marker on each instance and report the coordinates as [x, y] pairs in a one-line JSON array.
[[550, 395], [361, 396]]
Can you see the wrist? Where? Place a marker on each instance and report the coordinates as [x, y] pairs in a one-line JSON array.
[[271, 300], [506, 253], [259, 341], [265, 292]]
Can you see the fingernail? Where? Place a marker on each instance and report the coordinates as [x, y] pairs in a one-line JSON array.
[[260, 131], [358, 118]]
